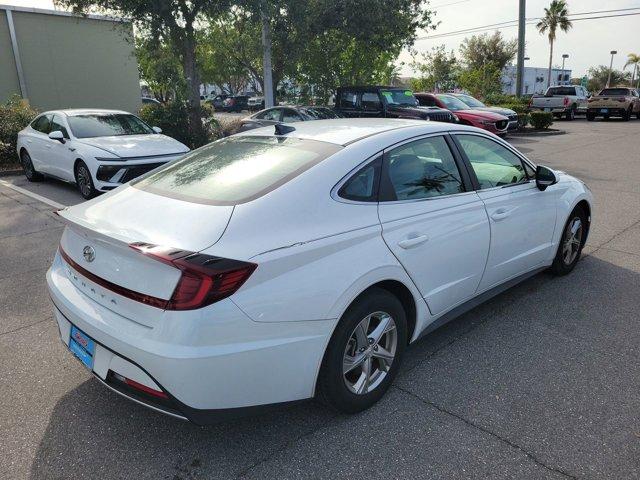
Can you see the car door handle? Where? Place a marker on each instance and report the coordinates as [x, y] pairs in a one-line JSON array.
[[413, 241], [501, 214]]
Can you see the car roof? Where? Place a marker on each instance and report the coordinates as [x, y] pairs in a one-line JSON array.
[[70, 112], [343, 131]]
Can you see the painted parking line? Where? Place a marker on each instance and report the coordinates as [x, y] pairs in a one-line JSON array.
[[35, 196]]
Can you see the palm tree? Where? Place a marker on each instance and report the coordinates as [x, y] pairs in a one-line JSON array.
[[634, 59], [557, 15]]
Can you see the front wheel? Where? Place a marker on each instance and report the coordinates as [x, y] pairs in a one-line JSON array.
[[365, 352], [591, 116], [571, 243], [84, 181], [626, 116]]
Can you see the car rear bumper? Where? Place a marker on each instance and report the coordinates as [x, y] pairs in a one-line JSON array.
[[611, 111], [549, 109], [211, 364]]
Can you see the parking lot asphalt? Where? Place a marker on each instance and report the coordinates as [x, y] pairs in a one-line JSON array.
[[540, 382]]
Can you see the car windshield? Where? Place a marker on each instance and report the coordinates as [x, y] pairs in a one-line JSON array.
[[107, 125], [615, 92], [399, 97], [452, 103], [236, 169], [319, 113], [472, 102]]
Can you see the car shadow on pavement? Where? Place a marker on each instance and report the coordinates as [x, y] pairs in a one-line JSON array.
[[569, 325]]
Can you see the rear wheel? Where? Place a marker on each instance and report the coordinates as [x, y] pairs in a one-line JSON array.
[[626, 116], [365, 352], [571, 113], [27, 166], [571, 243], [591, 116], [84, 181]]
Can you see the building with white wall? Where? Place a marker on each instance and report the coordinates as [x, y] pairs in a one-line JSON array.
[[535, 79]]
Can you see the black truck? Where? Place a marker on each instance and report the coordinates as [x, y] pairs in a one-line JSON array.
[[386, 102]]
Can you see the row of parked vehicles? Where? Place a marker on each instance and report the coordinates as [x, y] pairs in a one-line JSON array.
[[569, 100]]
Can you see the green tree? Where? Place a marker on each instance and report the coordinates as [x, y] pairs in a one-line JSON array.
[[598, 78], [173, 21], [437, 70], [480, 50], [482, 81], [633, 60], [556, 16], [160, 68]]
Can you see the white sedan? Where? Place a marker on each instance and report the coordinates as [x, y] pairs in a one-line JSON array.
[[97, 150], [286, 263]]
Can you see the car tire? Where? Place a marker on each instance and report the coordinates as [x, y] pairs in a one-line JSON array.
[[571, 114], [591, 116], [606, 117], [84, 181], [374, 312], [638, 114], [626, 116], [27, 166], [571, 242]]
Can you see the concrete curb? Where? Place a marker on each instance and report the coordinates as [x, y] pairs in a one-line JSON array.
[[537, 133]]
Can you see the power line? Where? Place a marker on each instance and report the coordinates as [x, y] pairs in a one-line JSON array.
[[530, 21], [448, 4]]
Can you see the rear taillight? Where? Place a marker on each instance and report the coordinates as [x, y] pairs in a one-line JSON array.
[[566, 101], [205, 279]]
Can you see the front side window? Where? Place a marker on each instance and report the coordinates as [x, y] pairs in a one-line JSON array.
[[423, 169], [107, 125], [370, 101], [271, 114], [471, 101], [399, 97], [57, 125], [493, 164], [42, 124], [236, 169]]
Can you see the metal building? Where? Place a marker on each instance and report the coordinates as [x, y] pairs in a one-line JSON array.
[[59, 60]]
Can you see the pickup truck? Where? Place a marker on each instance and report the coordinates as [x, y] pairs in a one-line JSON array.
[[614, 102], [386, 102], [562, 100]]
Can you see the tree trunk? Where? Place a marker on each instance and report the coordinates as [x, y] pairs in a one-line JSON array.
[[198, 136], [550, 62]]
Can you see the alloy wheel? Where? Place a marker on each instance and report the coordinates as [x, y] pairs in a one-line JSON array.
[[370, 353], [27, 165], [572, 241], [84, 180]]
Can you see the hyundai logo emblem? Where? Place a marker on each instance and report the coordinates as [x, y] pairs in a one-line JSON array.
[[89, 253]]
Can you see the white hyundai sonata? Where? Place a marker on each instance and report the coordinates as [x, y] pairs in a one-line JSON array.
[[275, 266], [97, 150]]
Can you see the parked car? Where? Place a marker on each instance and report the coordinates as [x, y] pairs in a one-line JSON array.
[[97, 150], [476, 104], [387, 102], [263, 269], [563, 100], [255, 103], [492, 122], [217, 101], [275, 115], [614, 102], [237, 103], [149, 100]]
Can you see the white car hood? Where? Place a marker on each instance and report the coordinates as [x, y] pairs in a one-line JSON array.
[[136, 145]]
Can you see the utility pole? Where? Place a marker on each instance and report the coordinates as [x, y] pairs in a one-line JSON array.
[[613, 52], [520, 66], [267, 76]]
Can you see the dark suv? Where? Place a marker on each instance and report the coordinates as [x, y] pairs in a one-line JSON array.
[[386, 102]]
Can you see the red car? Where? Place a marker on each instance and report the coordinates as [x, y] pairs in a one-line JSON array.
[[493, 122]]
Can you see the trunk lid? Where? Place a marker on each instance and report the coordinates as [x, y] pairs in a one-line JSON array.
[[104, 230]]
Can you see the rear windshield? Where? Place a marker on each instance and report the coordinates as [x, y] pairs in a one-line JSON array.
[[560, 91], [236, 169], [615, 92], [107, 125]]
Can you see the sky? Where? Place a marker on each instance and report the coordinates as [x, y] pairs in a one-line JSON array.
[[588, 43]]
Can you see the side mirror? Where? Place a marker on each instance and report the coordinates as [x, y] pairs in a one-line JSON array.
[[57, 135], [157, 129], [545, 177]]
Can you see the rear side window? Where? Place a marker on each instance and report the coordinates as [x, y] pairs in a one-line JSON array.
[[423, 169], [348, 99], [371, 101], [363, 185], [42, 124], [272, 114], [236, 170]]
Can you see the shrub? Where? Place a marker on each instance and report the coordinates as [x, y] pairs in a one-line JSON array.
[[541, 120], [15, 114], [173, 119]]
